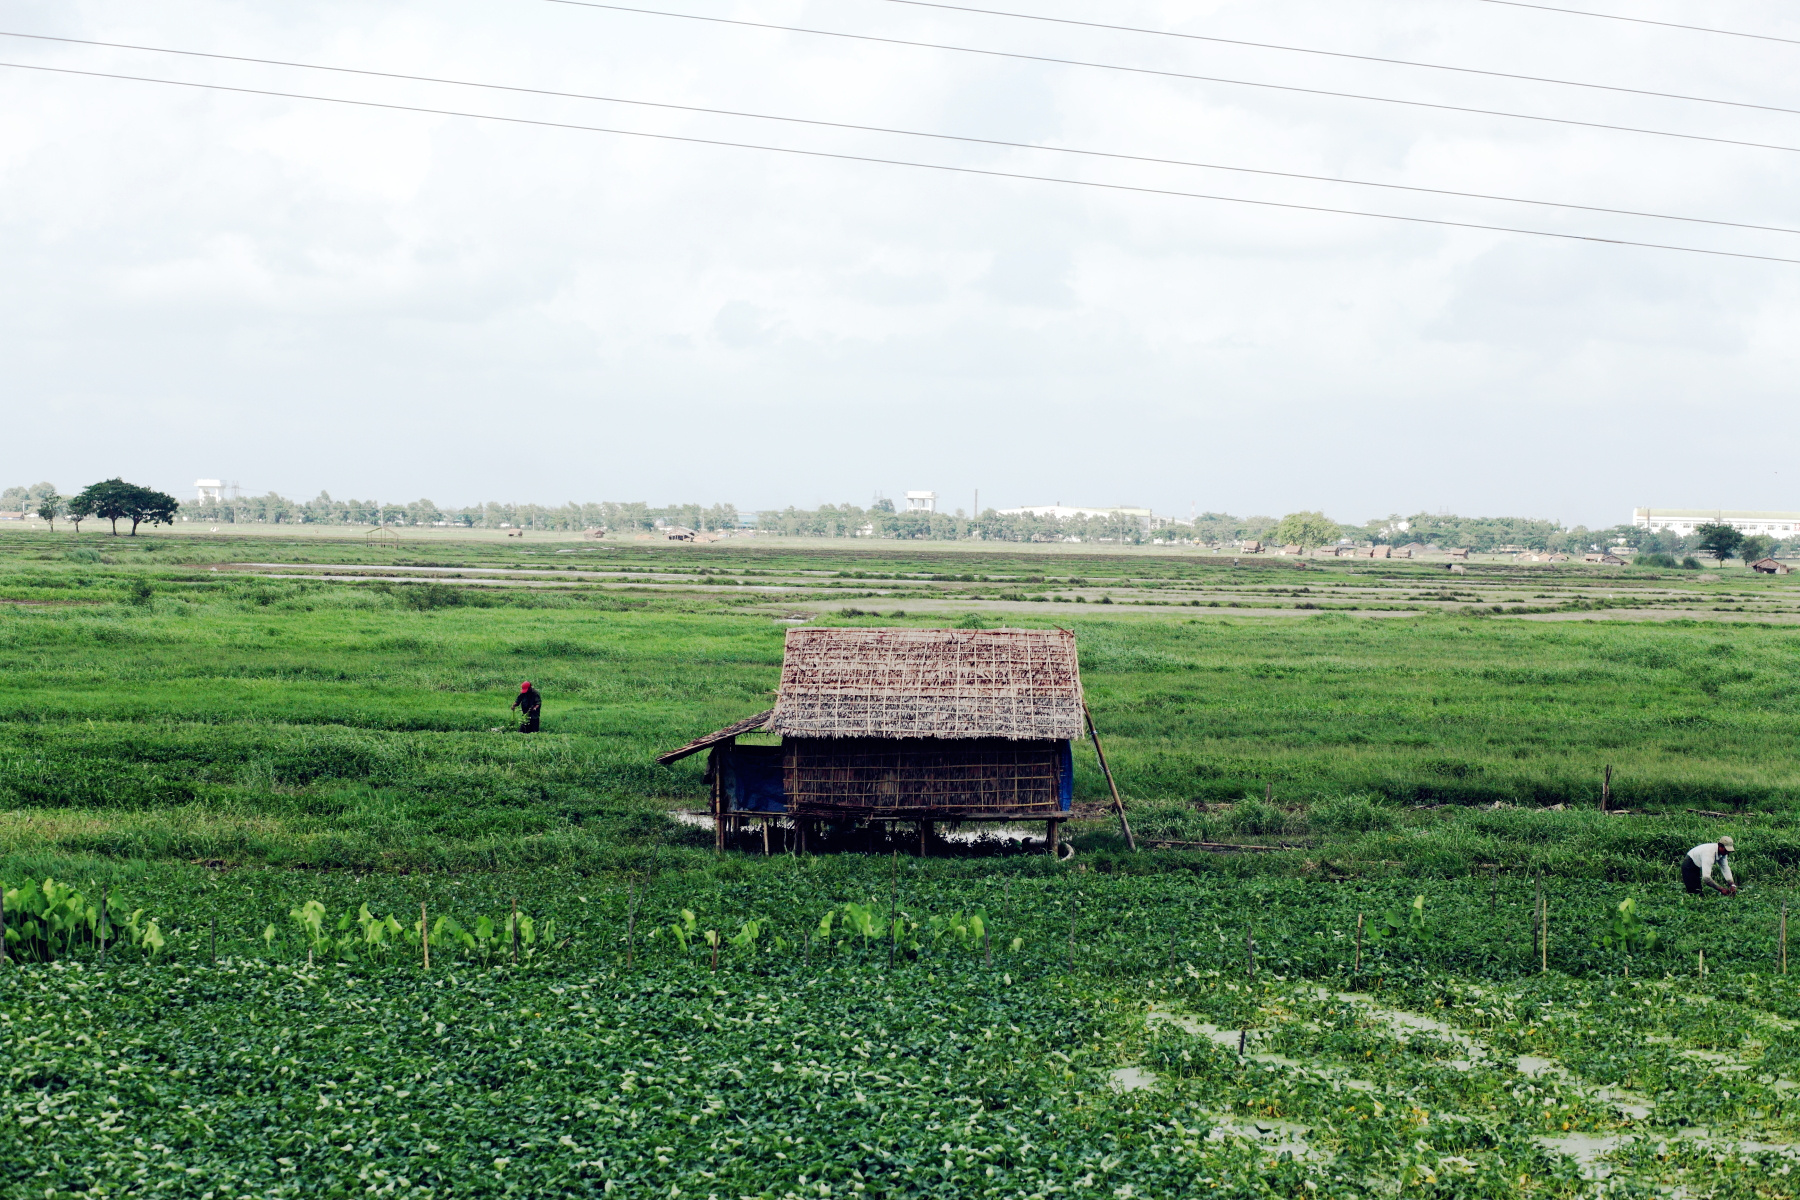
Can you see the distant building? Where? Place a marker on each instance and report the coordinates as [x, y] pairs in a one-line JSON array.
[[925, 502], [1768, 566], [209, 490], [1686, 520]]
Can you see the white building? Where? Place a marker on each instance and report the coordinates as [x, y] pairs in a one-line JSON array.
[[921, 502], [1060, 512], [209, 489], [1686, 520]]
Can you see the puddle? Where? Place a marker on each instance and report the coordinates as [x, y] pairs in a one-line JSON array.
[[1587, 1149], [1018, 833], [1132, 1079], [1275, 1137]]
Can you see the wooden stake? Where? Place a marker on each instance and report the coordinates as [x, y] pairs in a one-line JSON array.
[[3, 955], [1249, 954], [894, 911], [1243, 1037], [630, 920], [101, 931], [1784, 938], [1703, 964], [1118, 803], [1544, 935], [1269, 793], [1359, 924], [1006, 894], [515, 931], [987, 944], [1606, 789], [1494, 891], [765, 826], [425, 935]]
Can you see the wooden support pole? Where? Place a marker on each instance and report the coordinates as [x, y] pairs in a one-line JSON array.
[[101, 931], [1784, 939], [1544, 933], [716, 768], [3, 954], [1100, 753], [1050, 828], [1606, 789], [1249, 954], [424, 935], [515, 931], [765, 825]]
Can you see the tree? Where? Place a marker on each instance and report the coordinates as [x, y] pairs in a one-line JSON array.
[[51, 507], [1755, 546], [115, 500], [1306, 530], [1719, 540], [80, 509]]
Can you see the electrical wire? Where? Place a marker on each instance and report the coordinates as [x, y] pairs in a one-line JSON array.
[[1579, 12], [884, 129], [984, 172], [1369, 58], [1076, 62]]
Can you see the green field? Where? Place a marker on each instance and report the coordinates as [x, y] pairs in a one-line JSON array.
[[215, 741]]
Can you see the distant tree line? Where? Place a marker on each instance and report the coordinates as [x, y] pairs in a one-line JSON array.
[[111, 500], [114, 500]]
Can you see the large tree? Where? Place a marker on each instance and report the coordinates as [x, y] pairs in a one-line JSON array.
[[1719, 540], [1306, 530], [115, 500], [1754, 547]]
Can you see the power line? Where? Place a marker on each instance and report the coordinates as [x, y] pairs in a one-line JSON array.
[[1578, 12], [1370, 58], [1277, 87], [884, 129], [985, 172]]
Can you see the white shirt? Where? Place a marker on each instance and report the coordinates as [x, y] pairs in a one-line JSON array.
[[1705, 854]]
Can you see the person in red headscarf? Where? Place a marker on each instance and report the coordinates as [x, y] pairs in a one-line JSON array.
[[529, 704]]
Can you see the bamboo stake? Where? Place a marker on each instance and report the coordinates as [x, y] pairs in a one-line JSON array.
[[1118, 804], [1703, 964], [630, 920], [101, 931], [1359, 924], [894, 911], [765, 826], [3, 954], [425, 935], [1249, 954], [1606, 789], [1544, 936], [1243, 1037], [1784, 938], [515, 931]]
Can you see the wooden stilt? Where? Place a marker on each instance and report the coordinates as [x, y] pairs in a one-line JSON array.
[[1118, 803], [1050, 828]]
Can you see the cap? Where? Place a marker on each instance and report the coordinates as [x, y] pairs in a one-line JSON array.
[[1727, 845], [526, 686]]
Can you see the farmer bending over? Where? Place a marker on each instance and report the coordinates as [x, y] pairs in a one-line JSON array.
[[529, 704], [1697, 867]]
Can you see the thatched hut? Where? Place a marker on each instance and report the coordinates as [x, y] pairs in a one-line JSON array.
[[907, 725]]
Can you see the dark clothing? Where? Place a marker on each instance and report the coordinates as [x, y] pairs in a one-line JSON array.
[[1690, 876], [529, 704]]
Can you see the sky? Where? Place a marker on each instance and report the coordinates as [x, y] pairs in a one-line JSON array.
[[303, 296]]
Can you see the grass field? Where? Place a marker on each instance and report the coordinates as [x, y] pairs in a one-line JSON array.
[[211, 740]]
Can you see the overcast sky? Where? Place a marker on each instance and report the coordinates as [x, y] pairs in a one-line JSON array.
[[304, 296]]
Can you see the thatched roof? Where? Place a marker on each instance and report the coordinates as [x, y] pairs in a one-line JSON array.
[[942, 683], [747, 725]]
